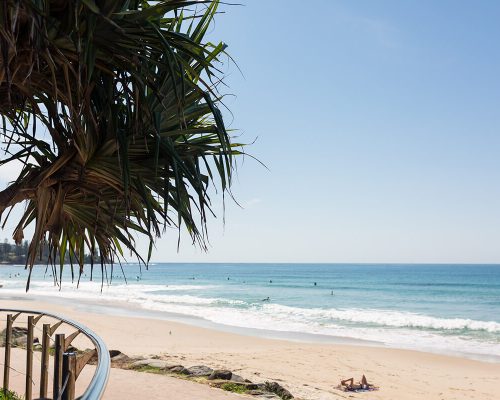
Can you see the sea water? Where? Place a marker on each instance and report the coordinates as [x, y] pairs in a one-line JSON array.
[[438, 308]]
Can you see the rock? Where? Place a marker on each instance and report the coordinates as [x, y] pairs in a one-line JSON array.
[[119, 359], [160, 364], [176, 367], [250, 386], [265, 395], [221, 374], [114, 353], [139, 363], [179, 369], [255, 392], [151, 363], [19, 337], [221, 384], [184, 371], [275, 387], [200, 370], [237, 379]]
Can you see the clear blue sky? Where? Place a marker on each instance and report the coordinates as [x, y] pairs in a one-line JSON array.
[[380, 124]]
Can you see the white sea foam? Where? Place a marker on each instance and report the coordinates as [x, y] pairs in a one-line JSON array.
[[266, 318], [148, 294], [390, 318]]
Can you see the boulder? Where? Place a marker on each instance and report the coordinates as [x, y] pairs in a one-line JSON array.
[[19, 337], [246, 385], [160, 364], [151, 363], [255, 392], [237, 379], [250, 386], [140, 363], [275, 387], [119, 359], [200, 370], [223, 374], [175, 367], [179, 369]]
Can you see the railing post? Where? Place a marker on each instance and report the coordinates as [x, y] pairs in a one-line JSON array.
[[69, 376], [72, 365], [29, 359], [44, 371], [58, 365], [8, 340]]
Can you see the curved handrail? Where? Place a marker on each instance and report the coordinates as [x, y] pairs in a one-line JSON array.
[[97, 385]]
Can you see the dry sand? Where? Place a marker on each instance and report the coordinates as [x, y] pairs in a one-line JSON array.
[[308, 370]]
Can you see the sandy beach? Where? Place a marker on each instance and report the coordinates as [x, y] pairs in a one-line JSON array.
[[307, 370]]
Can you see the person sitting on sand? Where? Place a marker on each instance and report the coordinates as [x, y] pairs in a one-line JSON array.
[[364, 383], [348, 383], [350, 386]]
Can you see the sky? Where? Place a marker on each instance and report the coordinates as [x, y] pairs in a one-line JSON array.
[[379, 125]]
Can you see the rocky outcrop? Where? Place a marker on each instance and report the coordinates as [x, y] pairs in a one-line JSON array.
[[161, 365], [120, 360], [180, 370], [223, 374], [275, 387], [19, 337], [153, 363], [220, 378], [200, 370]]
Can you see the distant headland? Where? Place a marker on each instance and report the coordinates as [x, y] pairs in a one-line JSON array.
[[13, 254]]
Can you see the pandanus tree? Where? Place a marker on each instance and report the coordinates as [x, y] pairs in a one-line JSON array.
[[112, 110]]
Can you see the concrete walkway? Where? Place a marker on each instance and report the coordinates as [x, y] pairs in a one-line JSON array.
[[124, 384]]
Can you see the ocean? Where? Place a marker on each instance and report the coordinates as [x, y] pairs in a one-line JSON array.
[[448, 309]]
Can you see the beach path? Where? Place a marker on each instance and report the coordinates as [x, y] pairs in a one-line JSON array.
[[125, 384]]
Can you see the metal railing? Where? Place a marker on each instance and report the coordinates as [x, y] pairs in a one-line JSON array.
[[67, 365]]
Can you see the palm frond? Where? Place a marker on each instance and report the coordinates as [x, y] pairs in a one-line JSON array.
[[105, 102]]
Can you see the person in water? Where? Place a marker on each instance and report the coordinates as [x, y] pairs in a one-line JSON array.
[[266, 299]]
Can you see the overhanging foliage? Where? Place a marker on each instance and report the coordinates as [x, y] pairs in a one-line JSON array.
[[112, 108]]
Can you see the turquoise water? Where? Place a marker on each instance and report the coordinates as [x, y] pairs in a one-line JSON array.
[[441, 308]]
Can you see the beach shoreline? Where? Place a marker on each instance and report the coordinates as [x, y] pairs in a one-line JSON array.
[[131, 310], [449, 310], [308, 370]]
